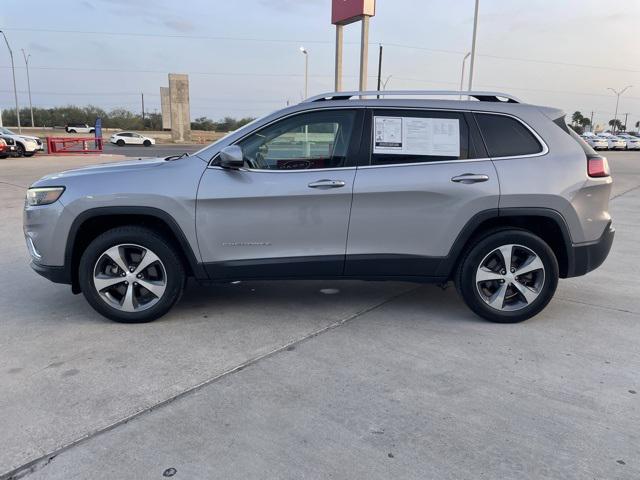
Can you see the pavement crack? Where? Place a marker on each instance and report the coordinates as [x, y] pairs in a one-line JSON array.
[[625, 192], [44, 460], [621, 310]]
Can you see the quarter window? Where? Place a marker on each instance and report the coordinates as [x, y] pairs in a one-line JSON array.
[[307, 141], [506, 137], [414, 136]]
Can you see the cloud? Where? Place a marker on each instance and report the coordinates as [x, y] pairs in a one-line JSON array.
[[291, 5], [38, 47], [88, 5], [179, 25]]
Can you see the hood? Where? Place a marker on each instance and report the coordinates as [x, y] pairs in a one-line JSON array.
[[103, 168]]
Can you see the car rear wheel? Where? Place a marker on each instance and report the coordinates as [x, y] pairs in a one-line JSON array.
[[19, 150], [147, 143], [508, 276], [120, 142], [72, 130], [131, 275]]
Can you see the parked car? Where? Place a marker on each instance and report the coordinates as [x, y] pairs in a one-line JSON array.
[[500, 197], [131, 138], [9, 148], [614, 142], [597, 142], [26, 145], [633, 143], [79, 128]]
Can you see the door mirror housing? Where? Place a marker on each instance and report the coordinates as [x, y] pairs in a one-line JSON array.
[[231, 157]]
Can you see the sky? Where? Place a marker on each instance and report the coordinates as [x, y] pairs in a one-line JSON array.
[[243, 56]]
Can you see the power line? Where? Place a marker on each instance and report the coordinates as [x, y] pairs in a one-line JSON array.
[[327, 42]]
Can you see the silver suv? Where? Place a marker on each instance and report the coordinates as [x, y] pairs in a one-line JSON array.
[[500, 197]]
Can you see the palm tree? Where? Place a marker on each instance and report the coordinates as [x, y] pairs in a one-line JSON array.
[[576, 117]]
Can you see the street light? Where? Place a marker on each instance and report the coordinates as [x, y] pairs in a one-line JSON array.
[[26, 62], [618, 93], [15, 90], [306, 71], [464, 61], [473, 44]]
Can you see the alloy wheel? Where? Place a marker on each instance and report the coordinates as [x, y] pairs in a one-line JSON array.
[[129, 277], [510, 277]]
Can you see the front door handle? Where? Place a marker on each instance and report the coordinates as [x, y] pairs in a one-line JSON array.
[[470, 178], [327, 184]]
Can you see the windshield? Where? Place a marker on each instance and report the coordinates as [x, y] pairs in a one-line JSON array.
[[6, 131]]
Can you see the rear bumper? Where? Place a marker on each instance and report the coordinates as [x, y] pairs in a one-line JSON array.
[[586, 258]]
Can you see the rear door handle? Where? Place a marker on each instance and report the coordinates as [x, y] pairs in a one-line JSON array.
[[470, 178], [327, 184]]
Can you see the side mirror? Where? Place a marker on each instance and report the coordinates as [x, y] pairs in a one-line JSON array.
[[231, 157]]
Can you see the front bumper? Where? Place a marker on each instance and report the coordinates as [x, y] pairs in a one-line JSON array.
[[55, 274], [587, 257]]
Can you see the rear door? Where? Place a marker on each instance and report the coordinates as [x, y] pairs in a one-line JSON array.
[[427, 176]]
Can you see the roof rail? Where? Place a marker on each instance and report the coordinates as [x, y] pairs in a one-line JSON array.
[[481, 96]]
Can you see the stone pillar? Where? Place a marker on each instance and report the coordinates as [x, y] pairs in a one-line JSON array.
[[165, 107], [180, 116]]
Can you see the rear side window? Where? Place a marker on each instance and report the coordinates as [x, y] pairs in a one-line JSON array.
[[506, 137], [415, 136]]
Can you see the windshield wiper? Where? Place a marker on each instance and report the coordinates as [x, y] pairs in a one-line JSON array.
[[176, 157]]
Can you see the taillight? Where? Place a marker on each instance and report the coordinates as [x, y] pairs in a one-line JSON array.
[[597, 166]]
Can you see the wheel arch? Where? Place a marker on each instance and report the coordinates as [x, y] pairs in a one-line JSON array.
[[91, 223], [548, 224]]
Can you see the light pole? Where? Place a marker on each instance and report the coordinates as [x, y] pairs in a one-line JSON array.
[[464, 62], [473, 44], [618, 93], [15, 90], [306, 71], [26, 62]]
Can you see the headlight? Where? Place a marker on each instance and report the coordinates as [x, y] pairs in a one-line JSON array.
[[43, 195]]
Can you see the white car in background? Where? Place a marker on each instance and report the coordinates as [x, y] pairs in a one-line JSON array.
[[615, 143], [131, 138], [596, 142], [26, 145], [633, 143]]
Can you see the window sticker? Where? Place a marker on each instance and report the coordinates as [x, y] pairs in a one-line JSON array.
[[417, 136]]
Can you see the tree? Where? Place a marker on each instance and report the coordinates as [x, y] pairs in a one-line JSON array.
[[576, 118], [584, 122], [615, 124]]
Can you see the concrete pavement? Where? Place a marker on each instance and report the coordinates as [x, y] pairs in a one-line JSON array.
[[291, 380]]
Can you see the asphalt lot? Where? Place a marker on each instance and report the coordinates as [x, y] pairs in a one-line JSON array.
[[321, 379]]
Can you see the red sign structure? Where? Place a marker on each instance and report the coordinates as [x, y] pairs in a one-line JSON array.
[[74, 145], [344, 12]]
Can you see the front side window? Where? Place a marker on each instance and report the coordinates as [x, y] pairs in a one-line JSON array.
[[307, 141], [415, 136], [506, 137]]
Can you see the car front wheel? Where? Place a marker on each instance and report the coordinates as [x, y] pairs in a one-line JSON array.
[[147, 143], [508, 276], [120, 143], [131, 275]]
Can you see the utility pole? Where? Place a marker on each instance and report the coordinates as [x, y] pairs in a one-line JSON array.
[[591, 123], [473, 44], [305, 52], [26, 62], [142, 95], [15, 90], [626, 117], [618, 93], [379, 68], [464, 61]]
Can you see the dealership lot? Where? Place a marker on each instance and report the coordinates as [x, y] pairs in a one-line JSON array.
[[321, 379]]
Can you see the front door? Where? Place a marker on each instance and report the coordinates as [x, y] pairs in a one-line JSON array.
[[286, 213]]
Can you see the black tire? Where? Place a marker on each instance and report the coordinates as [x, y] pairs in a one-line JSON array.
[[28, 154], [465, 278], [72, 130], [147, 143], [166, 252], [92, 130], [19, 150], [120, 142]]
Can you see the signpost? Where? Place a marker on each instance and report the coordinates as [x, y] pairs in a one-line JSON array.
[[344, 12]]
